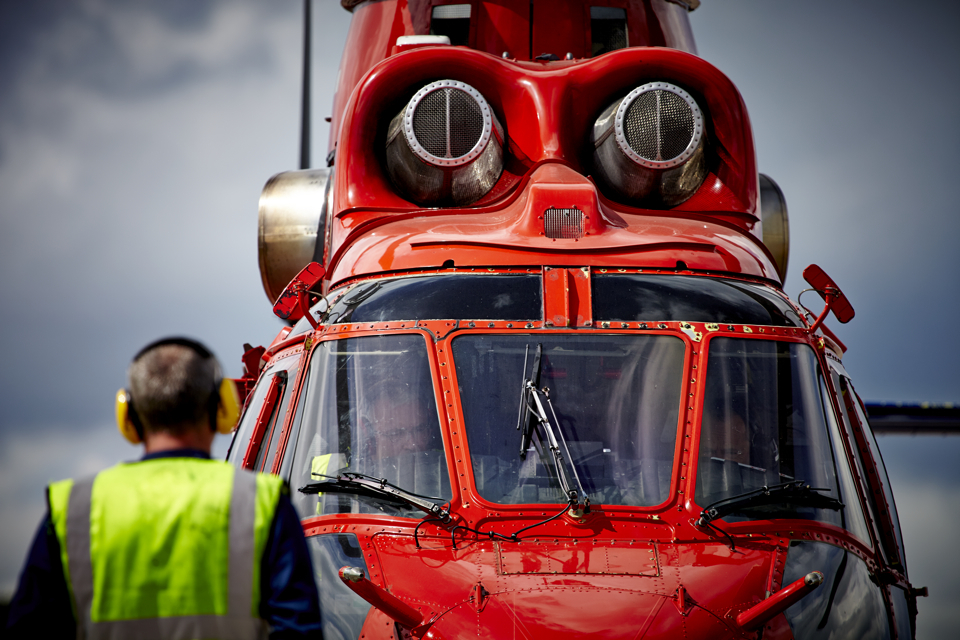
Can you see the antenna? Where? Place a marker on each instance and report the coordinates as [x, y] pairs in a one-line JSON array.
[[305, 104]]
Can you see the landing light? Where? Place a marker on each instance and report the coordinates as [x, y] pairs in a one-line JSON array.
[[292, 225], [776, 223]]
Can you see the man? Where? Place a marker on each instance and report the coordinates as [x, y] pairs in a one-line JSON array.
[[175, 545]]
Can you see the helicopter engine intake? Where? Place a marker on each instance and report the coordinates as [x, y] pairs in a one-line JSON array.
[[649, 146], [445, 147]]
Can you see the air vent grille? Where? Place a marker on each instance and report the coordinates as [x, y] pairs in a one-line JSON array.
[[563, 223], [448, 123], [659, 125]]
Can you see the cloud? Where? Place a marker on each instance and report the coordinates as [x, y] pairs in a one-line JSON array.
[[859, 135], [29, 463], [135, 137], [132, 214], [134, 140]]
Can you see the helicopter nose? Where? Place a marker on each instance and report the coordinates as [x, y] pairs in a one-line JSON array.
[[562, 204]]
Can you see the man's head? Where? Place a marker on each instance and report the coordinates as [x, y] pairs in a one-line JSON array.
[[174, 386], [724, 434], [177, 397], [400, 420]]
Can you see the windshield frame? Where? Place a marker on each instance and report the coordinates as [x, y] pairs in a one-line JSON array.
[[532, 336], [830, 428], [294, 452]]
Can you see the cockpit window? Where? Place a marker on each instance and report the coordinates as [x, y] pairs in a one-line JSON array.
[[370, 410], [453, 21], [608, 29], [615, 405], [447, 297], [763, 425], [643, 298]]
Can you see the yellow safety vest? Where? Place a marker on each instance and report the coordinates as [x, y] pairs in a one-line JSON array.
[[167, 548]]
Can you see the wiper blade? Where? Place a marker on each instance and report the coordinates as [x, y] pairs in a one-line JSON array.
[[363, 485], [524, 423], [797, 492]]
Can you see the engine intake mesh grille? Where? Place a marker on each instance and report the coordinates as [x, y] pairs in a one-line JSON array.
[[563, 223], [659, 125], [448, 123]]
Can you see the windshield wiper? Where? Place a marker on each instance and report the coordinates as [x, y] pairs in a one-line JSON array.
[[364, 485], [533, 413], [524, 424], [797, 492]]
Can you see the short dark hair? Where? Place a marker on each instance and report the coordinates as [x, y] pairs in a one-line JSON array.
[[173, 387]]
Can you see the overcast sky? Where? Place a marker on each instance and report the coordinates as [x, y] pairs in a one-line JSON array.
[[135, 138]]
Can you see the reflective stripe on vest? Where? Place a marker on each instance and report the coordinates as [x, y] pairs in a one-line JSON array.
[[252, 504]]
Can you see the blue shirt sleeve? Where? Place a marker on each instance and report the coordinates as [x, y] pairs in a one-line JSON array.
[[289, 601], [41, 606]]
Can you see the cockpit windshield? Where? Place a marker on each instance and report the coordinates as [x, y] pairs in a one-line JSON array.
[[369, 410], [614, 407], [763, 425]]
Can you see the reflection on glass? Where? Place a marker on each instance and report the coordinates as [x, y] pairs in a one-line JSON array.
[[455, 296], [616, 400], [342, 611], [370, 409], [852, 515], [848, 604], [278, 373], [893, 554], [241, 436], [901, 612], [763, 425], [655, 298]]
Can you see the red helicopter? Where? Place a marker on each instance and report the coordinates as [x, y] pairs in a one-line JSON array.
[[541, 377]]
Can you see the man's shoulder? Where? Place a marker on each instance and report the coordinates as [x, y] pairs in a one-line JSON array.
[[273, 485]]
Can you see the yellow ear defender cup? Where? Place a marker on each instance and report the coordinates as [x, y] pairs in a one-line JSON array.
[[127, 429], [228, 408]]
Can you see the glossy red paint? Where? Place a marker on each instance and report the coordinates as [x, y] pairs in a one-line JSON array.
[[294, 302], [758, 615], [623, 572], [547, 110], [381, 598], [263, 421], [831, 294], [566, 297], [522, 30]]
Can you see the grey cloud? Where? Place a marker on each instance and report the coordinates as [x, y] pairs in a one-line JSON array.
[[853, 107], [135, 138]]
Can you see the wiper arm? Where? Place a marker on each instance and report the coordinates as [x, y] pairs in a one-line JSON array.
[[363, 485], [576, 497], [532, 412], [797, 492]]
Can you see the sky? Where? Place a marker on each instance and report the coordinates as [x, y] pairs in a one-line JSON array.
[[135, 138]]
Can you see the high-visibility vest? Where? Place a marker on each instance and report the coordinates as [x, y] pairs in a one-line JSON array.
[[165, 548]]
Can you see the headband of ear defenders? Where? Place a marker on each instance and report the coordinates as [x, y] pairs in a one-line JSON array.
[[224, 413]]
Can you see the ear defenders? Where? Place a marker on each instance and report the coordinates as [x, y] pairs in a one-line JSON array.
[[224, 399]]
